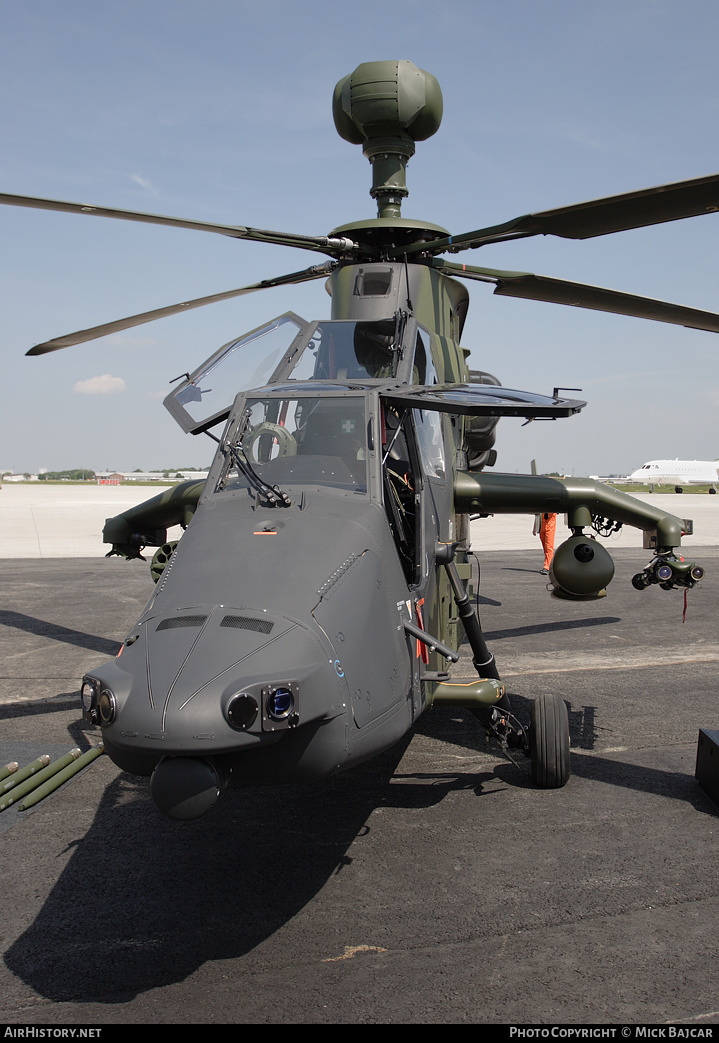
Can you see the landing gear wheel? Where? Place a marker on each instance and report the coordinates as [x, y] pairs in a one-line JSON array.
[[549, 742]]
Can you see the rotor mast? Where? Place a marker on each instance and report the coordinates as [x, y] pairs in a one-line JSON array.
[[386, 107]]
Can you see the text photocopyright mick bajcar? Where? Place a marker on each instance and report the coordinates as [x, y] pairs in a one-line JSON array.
[[611, 1032]]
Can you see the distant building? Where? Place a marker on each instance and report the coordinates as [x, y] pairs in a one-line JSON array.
[[116, 477]]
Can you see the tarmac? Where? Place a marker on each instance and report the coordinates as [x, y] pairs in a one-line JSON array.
[[433, 885]]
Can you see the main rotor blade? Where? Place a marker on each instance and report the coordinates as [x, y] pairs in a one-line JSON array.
[[559, 291], [324, 244], [649, 206], [315, 272]]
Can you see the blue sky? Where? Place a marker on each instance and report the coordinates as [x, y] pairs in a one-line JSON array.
[[221, 110]]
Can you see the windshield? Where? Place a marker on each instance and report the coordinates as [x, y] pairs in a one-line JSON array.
[[342, 350], [299, 441]]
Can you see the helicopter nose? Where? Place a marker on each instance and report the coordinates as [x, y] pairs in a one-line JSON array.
[[185, 787]]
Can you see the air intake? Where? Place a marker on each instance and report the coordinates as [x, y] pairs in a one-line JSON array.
[[181, 621], [259, 626]]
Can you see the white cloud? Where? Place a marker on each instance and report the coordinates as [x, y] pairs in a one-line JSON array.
[[143, 182], [104, 385]]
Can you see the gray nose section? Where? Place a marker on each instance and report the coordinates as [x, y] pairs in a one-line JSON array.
[[185, 787]]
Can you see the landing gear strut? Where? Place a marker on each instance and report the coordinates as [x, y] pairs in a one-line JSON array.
[[547, 744]]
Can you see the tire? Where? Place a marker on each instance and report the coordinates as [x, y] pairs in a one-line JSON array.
[[549, 742]]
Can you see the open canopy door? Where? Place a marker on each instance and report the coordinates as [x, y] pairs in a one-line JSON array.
[[482, 400]]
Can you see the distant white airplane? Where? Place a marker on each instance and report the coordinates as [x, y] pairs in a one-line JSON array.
[[678, 473]]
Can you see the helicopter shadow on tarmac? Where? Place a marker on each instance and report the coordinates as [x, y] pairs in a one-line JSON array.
[[554, 626], [165, 898], [57, 632]]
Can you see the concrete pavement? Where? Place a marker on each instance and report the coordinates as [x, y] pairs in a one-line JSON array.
[[58, 521], [62, 521]]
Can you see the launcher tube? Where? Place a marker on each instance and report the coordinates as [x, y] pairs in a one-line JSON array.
[[9, 769], [37, 779], [24, 773], [61, 777]]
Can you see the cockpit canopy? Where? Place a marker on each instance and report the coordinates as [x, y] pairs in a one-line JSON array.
[[291, 349]]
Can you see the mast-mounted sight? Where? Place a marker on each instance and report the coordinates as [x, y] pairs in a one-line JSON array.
[[386, 107]]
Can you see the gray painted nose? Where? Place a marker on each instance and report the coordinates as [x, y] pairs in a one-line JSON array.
[[185, 787]]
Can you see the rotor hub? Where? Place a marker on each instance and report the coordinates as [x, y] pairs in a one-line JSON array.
[[381, 234]]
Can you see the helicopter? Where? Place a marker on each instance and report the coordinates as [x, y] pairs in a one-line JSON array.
[[320, 590]]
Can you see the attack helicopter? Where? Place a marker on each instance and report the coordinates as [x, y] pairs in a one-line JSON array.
[[320, 590]]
